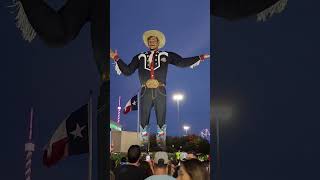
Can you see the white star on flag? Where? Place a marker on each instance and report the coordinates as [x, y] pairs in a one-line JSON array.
[[77, 131], [134, 102]]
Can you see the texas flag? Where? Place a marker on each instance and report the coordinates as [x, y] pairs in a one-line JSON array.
[[70, 138], [132, 105]]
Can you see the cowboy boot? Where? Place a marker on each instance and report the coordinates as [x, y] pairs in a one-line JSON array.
[[144, 138], [161, 136]]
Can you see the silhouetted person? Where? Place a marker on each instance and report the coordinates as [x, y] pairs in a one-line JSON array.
[[131, 170], [145, 165]]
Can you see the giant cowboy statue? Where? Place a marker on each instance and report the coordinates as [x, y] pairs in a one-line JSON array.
[[152, 66]]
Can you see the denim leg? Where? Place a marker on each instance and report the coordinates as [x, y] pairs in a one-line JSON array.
[[160, 109], [145, 107], [160, 106]]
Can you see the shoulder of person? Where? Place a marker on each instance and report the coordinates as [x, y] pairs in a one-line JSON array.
[[166, 53], [170, 53], [143, 53], [124, 166], [150, 177], [157, 177]]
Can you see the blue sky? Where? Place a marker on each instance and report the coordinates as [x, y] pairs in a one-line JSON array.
[[186, 25]]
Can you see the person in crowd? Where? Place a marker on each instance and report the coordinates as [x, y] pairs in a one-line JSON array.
[[131, 170], [160, 166], [206, 164], [147, 167], [175, 164], [171, 168], [123, 161], [192, 169]]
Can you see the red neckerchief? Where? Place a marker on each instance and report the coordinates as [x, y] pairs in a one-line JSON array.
[[152, 65]]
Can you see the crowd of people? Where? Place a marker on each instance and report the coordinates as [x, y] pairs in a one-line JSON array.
[[136, 166]]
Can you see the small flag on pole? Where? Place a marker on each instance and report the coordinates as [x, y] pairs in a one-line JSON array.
[[132, 105], [70, 138]]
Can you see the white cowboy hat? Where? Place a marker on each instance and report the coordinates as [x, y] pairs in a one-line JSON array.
[[156, 33]]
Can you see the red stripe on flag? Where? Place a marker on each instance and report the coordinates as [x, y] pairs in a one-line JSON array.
[[59, 150], [127, 109]]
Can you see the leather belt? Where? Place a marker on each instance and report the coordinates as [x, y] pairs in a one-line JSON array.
[[152, 84]]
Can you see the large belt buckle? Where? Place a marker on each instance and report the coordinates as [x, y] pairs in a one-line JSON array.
[[152, 83]]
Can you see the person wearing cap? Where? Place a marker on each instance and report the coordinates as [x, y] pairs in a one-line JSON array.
[[160, 167], [152, 66]]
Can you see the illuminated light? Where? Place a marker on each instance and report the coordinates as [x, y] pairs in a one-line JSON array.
[[177, 97], [186, 127]]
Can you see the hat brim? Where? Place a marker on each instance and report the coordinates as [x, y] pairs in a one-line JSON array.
[[155, 33], [161, 165]]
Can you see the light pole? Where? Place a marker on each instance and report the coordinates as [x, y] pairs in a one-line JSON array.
[[186, 128], [178, 97]]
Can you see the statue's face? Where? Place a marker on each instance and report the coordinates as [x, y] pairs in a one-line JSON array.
[[153, 42]]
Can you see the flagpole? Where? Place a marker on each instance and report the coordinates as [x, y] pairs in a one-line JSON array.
[[90, 136], [29, 149], [138, 120]]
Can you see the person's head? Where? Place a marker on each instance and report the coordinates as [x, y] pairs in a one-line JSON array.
[[146, 166], [192, 169], [134, 153], [153, 42], [154, 39], [161, 161]]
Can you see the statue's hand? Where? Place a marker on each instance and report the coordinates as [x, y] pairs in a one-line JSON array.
[[114, 54], [206, 56]]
